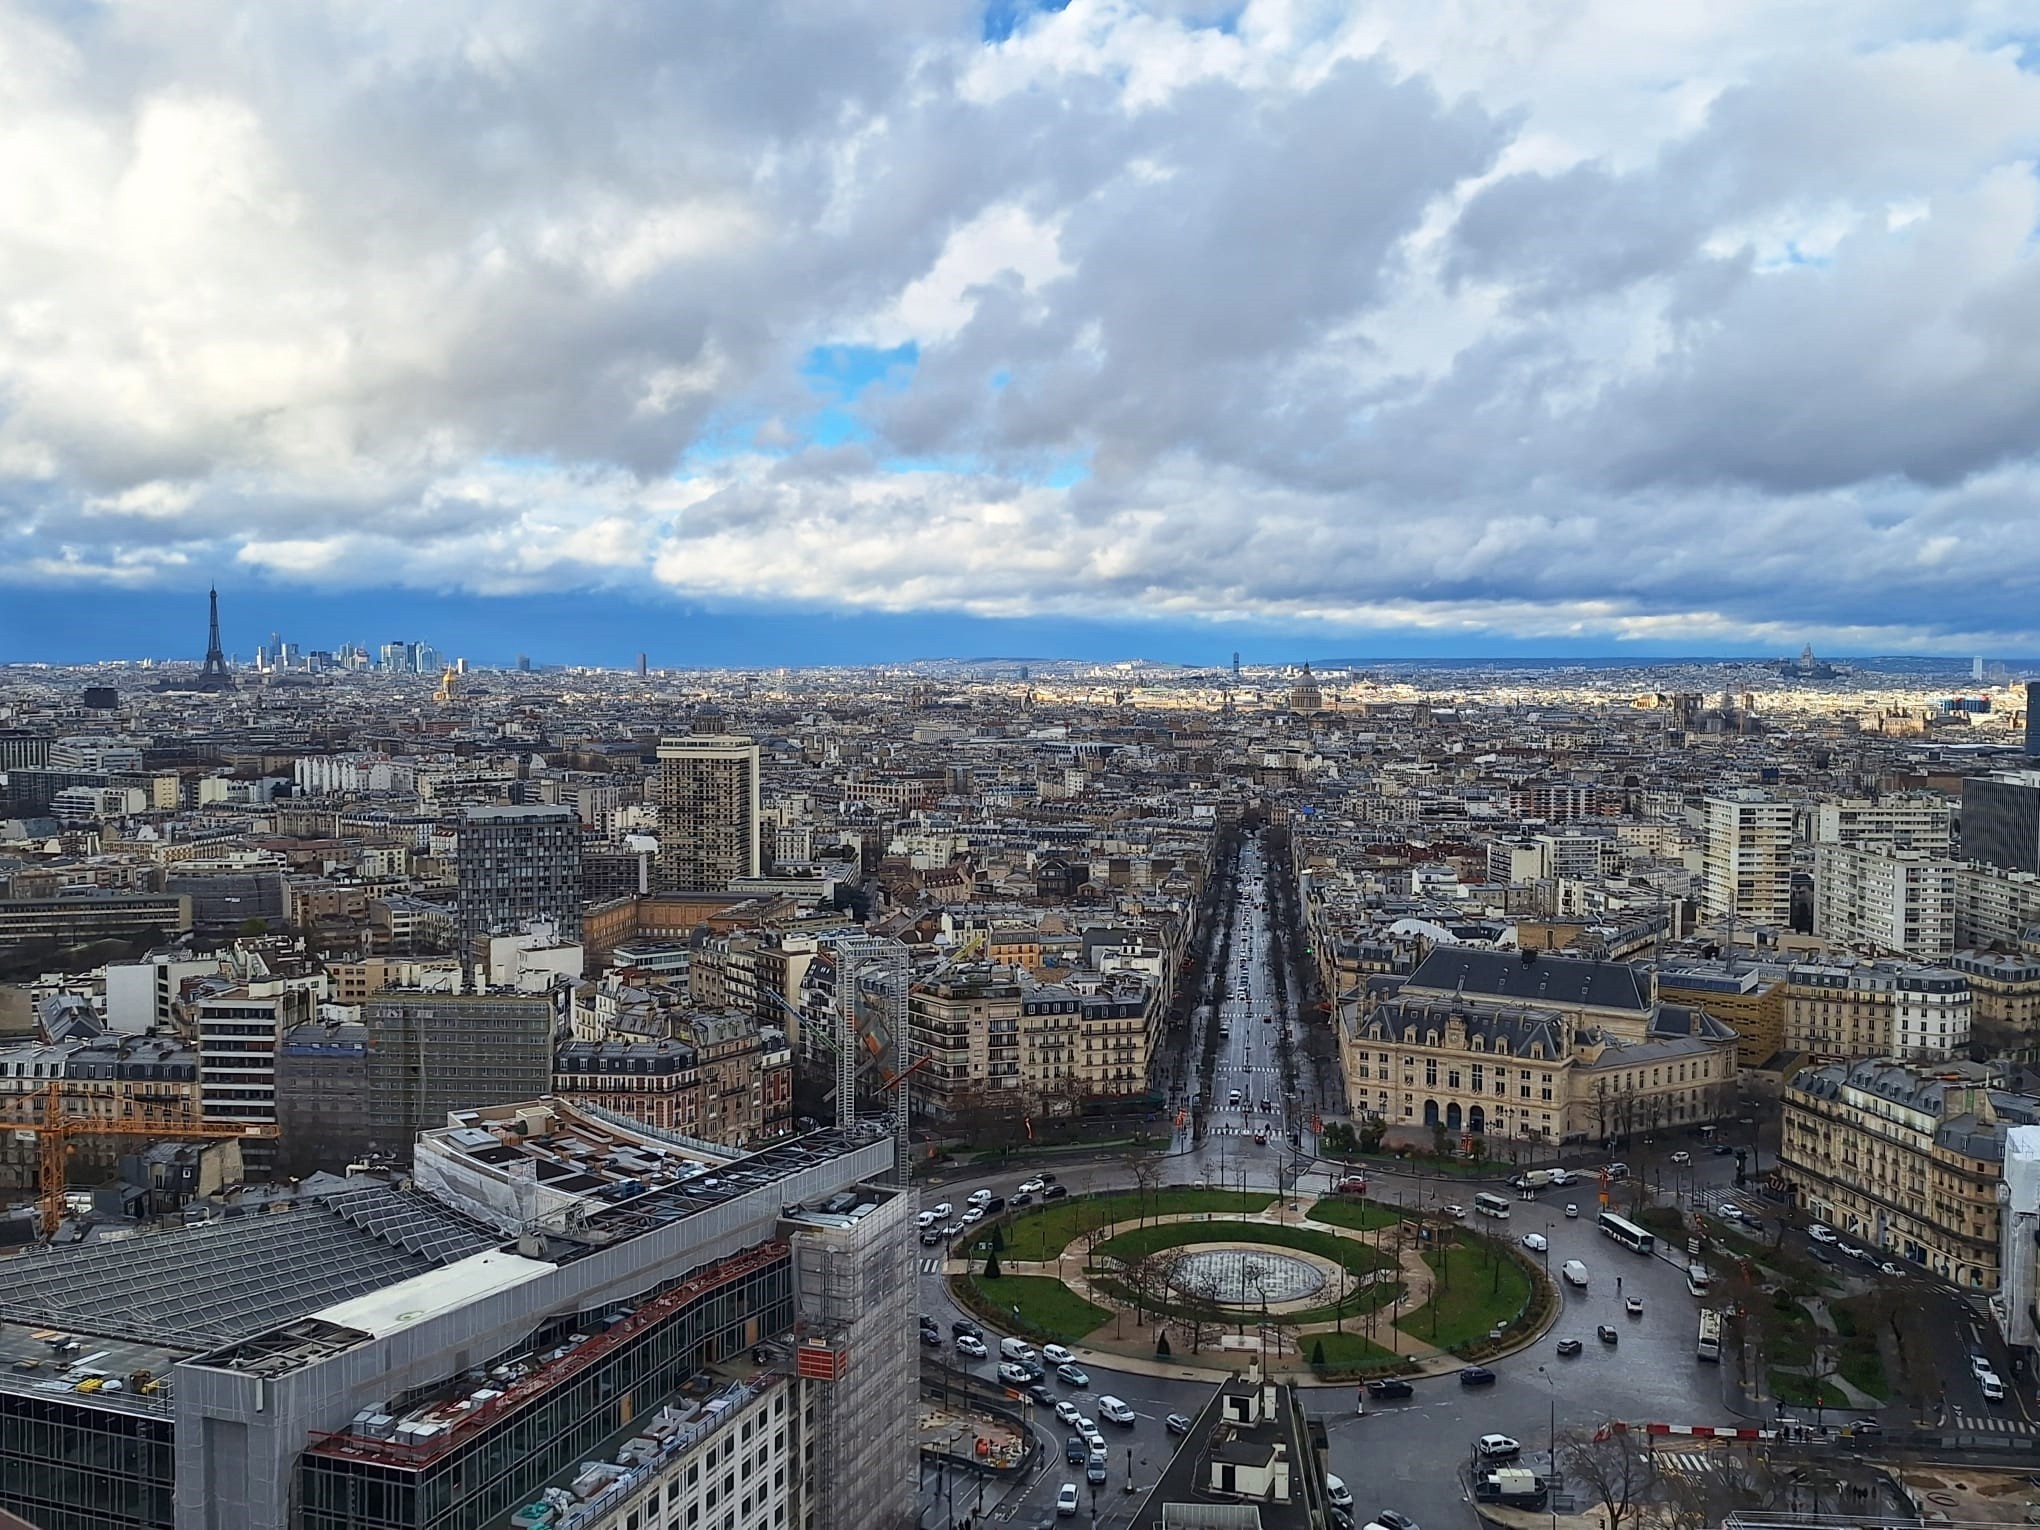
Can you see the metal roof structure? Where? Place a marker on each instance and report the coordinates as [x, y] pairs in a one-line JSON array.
[[213, 1284]]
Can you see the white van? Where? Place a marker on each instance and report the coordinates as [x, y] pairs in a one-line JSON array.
[[1115, 1410], [1575, 1273], [1016, 1349]]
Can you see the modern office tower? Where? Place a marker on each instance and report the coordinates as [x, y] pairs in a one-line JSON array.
[[707, 800], [561, 1317], [428, 1054], [514, 865], [1748, 858], [1876, 899], [2032, 718], [2001, 820]]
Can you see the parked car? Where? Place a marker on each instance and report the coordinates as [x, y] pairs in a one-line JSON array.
[[1993, 1389], [1390, 1386], [1850, 1249], [1980, 1365], [1535, 1242], [1886, 1267], [1176, 1423], [1388, 1519], [941, 1210], [1022, 1199], [1607, 1334], [1820, 1232], [931, 1338], [963, 1326], [1055, 1354], [926, 1219], [973, 1216], [931, 1237], [1569, 1347], [1476, 1376], [1497, 1447], [1337, 1492]]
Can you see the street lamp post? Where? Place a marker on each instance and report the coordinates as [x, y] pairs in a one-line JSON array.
[[1551, 1447]]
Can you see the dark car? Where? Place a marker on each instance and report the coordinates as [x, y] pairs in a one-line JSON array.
[[1393, 1386], [1569, 1346], [931, 1338], [1075, 1450], [1821, 1255], [965, 1326], [1054, 1193], [1476, 1376], [1395, 1521], [930, 1236], [1022, 1199], [1338, 1518], [1607, 1334], [995, 1205]]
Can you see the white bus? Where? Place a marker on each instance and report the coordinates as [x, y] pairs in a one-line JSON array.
[[1709, 1346], [1625, 1232], [1488, 1204], [1698, 1280]]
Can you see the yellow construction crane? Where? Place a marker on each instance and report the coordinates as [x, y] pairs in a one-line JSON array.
[[53, 1130]]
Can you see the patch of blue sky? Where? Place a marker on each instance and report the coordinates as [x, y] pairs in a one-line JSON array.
[[1005, 17], [842, 372]]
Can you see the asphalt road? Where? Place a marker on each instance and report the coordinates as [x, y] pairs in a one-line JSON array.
[[1396, 1456]]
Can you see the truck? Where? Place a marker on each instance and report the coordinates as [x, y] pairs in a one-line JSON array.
[[1513, 1487], [1537, 1179]]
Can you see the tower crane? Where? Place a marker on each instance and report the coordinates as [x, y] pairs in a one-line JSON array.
[[53, 1128]]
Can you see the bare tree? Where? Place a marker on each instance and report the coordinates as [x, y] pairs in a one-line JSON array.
[[1613, 1467], [1147, 1179], [1704, 1496], [1198, 1312], [1147, 1282]]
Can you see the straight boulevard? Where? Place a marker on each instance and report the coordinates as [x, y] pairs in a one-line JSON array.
[[1402, 1456]]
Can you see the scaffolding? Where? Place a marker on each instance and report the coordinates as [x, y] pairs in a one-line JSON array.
[[854, 1303]]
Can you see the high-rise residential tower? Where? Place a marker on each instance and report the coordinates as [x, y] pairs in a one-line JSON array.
[[1748, 868], [707, 800], [517, 864]]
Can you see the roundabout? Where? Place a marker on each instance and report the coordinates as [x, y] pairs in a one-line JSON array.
[[1337, 1288]]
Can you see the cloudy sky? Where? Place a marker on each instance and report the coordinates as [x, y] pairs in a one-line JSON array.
[[885, 326]]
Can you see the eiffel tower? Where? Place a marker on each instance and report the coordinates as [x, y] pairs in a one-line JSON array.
[[215, 676]]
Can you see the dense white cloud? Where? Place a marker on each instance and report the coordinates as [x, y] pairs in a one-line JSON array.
[[1695, 323]]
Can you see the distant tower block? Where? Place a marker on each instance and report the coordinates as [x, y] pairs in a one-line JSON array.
[[1236, 667], [1976, 668]]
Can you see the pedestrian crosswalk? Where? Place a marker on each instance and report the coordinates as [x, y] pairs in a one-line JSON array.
[[1991, 1424], [1686, 1463], [930, 1266]]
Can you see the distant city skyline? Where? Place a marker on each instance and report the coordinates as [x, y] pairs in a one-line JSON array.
[[609, 631]]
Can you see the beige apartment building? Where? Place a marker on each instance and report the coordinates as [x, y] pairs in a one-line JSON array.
[[1904, 1159], [1747, 858], [996, 1038], [2004, 988], [1876, 1009]]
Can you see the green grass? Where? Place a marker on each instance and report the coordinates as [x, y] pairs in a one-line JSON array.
[[1350, 1352], [1355, 1212], [1043, 1232], [1046, 1307], [1798, 1391], [1477, 1286], [1139, 1242]]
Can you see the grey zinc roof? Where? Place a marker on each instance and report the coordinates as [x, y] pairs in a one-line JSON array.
[[1519, 1027], [1545, 979]]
